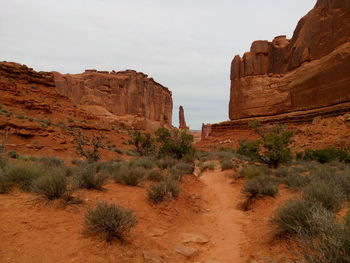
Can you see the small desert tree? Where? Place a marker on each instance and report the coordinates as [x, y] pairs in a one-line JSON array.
[[175, 143], [143, 142], [88, 147], [272, 147]]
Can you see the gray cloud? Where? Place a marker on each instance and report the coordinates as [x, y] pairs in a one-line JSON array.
[[184, 45]]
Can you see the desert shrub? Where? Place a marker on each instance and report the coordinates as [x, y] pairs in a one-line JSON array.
[[331, 245], [222, 155], [252, 171], [109, 220], [51, 161], [156, 193], [284, 171], [90, 178], [330, 196], [295, 182], [23, 174], [343, 181], [154, 175], [5, 184], [202, 156], [301, 217], [166, 162], [210, 165], [13, 154], [147, 163], [226, 164], [262, 185], [131, 176], [52, 186], [184, 168]]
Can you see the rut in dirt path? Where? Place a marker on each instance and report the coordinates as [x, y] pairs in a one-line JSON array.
[[223, 219]]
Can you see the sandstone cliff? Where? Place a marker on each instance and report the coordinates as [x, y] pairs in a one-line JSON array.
[[310, 71], [118, 94]]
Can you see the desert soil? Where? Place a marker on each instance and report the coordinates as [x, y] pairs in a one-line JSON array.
[[204, 222]]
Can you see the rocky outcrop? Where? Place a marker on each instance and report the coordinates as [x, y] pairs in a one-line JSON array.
[[307, 72], [182, 121], [122, 93]]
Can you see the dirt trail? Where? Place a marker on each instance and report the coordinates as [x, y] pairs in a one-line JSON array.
[[223, 221]]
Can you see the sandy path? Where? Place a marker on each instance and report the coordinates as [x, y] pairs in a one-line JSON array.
[[223, 220]]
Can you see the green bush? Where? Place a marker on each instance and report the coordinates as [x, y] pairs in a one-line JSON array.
[[143, 142], [109, 220], [13, 154], [249, 149], [210, 165], [22, 174], [156, 193], [90, 178], [301, 217], [272, 148], [252, 171], [52, 186], [325, 155], [262, 185], [175, 143], [131, 176], [330, 196], [226, 164]]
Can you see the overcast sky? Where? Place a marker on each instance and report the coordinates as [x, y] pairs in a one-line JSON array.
[[186, 45]]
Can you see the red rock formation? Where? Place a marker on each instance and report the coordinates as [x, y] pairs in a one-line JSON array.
[[206, 130], [310, 71], [182, 121], [119, 93]]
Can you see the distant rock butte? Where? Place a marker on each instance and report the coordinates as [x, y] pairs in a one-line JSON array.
[[113, 94], [310, 71]]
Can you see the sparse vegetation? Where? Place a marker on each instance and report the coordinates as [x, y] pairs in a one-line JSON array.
[[90, 177], [157, 193], [13, 154], [22, 174], [301, 216], [52, 186], [226, 164], [130, 176], [209, 165], [109, 221], [262, 185], [252, 171]]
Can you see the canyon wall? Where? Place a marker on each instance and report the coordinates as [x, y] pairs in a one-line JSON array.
[[118, 93], [310, 71]]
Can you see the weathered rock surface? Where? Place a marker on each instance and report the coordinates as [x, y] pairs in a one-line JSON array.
[[119, 93], [186, 251], [309, 71], [182, 121]]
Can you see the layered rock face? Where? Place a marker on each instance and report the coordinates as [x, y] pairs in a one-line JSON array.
[[182, 121], [118, 94], [310, 71]]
